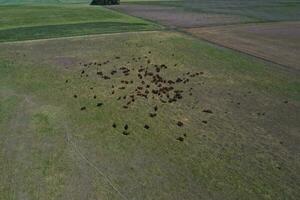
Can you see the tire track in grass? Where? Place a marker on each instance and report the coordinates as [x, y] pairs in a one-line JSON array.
[[74, 146]]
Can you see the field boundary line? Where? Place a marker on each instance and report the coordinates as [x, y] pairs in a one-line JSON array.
[[280, 65]]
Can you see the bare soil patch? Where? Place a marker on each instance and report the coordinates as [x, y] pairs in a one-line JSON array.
[[278, 42]]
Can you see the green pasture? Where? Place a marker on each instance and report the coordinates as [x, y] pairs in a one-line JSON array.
[[69, 128], [244, 147]]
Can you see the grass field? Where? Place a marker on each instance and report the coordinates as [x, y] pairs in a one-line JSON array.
[[140, 112], [238, 138], [25, 22]]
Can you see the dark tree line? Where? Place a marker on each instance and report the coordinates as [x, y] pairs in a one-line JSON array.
[[105, 2]]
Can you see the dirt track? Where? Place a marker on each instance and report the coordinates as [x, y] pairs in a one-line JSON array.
[[277, 42]]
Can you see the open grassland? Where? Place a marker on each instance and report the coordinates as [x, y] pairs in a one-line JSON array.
[[68, 131], [25, 22]]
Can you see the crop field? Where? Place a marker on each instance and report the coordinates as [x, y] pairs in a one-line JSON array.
[[257, 10], [27, 22], [174, 17], [266, 29], [43, 2], [278, 42], [98, 104]]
